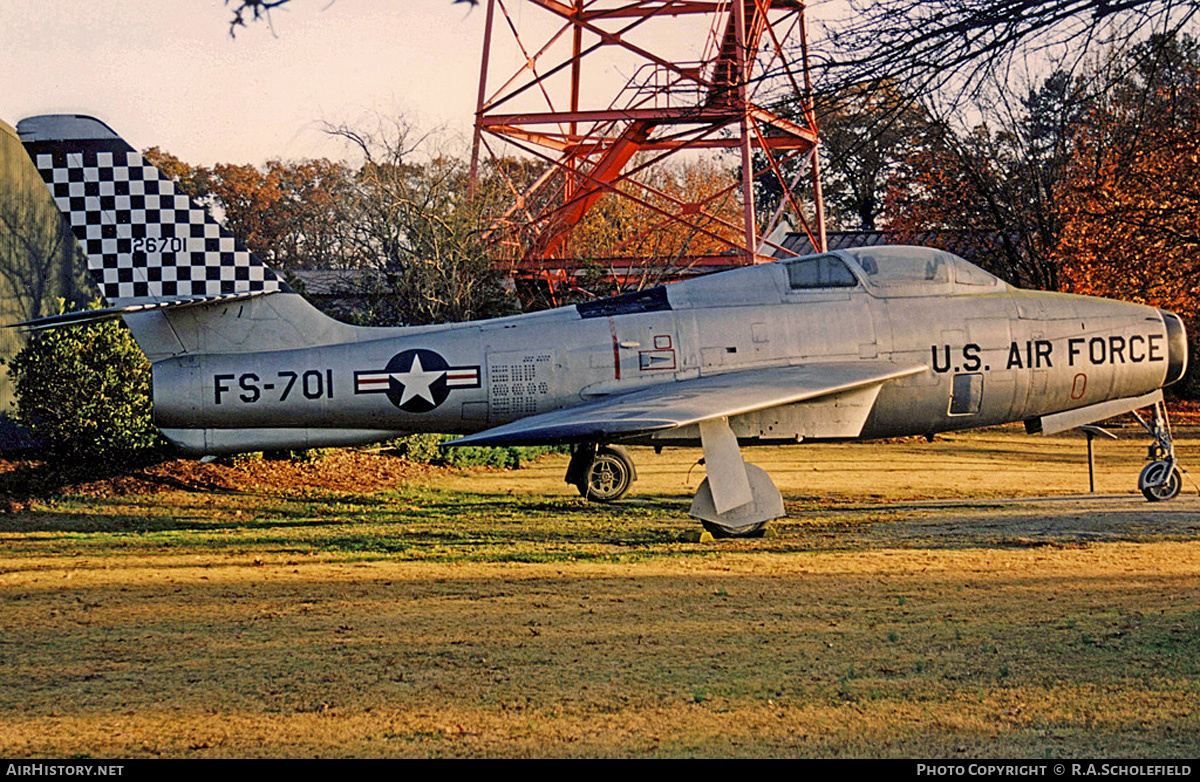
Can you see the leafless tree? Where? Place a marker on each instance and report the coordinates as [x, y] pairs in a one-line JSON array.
[[411, 214], [260, 11], [959, 47], [254, 10]]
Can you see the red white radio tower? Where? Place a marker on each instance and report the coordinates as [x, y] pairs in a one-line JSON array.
[[722, 100]]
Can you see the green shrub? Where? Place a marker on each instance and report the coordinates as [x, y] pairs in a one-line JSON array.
[[479, 456], [419, 448], [84, 391], [425, 449]]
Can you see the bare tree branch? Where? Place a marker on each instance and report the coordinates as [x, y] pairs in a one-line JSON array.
[[256, 9], [956, 47]]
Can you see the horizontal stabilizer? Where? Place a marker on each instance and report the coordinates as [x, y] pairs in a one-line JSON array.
[[671, 405], [94, 316]]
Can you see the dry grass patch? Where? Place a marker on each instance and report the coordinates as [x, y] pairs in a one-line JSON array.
[[494, 614]]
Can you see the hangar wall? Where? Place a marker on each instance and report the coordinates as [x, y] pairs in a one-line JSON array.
[[40, 262]]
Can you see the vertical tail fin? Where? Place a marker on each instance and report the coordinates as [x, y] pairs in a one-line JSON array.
[[159, 258], [146, 243]]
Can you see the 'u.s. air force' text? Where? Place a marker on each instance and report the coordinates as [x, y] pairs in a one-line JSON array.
[[1040, 353]]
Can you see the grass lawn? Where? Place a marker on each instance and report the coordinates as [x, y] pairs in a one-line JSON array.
[[957, 598]]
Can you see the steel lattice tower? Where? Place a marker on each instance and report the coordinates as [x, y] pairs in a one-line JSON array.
[[747, 93]]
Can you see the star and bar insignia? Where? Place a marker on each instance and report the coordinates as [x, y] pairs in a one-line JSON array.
[[416, 381]]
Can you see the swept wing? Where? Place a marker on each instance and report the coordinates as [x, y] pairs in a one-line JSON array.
[[672, 405]]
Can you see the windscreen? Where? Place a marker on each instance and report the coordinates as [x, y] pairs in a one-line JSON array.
[[816, 272]]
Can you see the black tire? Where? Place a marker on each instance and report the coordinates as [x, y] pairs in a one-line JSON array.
[[581, 458], [719, 531], [1152, 473], [609, 475]]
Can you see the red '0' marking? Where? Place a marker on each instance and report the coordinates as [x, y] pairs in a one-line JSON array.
[[1079, 387]]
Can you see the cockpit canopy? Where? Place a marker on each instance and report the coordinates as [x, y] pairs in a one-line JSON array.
[[898, 266], [891, 270]]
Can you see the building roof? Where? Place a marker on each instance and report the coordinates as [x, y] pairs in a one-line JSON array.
[[968, 244]]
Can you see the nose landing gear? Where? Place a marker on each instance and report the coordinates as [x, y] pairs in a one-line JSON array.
[[1161, 479]]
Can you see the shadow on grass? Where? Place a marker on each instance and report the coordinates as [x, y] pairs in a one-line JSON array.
[[35, 479], [1069, 521], [421, 522], [418, 522]]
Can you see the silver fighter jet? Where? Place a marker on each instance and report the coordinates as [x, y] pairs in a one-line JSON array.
[[859, 344]]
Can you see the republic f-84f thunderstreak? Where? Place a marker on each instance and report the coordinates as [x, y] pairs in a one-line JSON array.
[[859, 344]]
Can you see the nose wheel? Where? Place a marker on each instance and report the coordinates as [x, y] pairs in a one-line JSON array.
[[1161, 479]]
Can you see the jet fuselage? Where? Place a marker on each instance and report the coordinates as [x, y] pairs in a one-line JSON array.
[[992, 354]]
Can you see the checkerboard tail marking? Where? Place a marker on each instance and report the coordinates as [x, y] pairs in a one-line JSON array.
[[146, 242]]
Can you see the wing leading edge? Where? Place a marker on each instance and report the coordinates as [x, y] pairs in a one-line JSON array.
[[672, 405]]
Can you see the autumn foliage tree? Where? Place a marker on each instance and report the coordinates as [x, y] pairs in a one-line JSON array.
[[1131, 206], [639, 233], [290, 214], [999, 179]]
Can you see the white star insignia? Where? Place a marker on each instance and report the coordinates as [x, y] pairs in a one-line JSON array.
[[417, 382]]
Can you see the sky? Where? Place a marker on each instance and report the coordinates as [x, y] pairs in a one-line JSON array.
[[167, 73]]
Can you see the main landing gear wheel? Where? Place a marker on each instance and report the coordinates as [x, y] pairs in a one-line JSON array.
[[1160, 481], [601, 474]]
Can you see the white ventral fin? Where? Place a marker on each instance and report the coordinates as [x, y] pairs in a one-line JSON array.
[[723, 462], [735, 496]]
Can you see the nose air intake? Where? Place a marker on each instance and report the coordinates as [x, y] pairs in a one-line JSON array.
[[1177, 347]]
